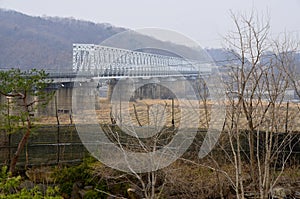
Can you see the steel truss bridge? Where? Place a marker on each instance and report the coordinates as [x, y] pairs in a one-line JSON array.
[[92, 61], [108, 62]]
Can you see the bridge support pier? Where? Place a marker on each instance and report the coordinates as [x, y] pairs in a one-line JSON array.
[[111, 85]]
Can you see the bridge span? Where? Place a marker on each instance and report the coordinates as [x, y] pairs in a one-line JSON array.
[[95, 62], [107, 65], [103, 61]]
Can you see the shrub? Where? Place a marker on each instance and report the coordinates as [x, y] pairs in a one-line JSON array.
[[9, 188], [66, 178]]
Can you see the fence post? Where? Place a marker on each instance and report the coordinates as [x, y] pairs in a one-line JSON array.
[[173, 121], [58, 129], [287, 117], [9, 148], [9, 129]]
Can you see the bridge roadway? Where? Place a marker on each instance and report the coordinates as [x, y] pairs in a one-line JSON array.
[[63, 77]]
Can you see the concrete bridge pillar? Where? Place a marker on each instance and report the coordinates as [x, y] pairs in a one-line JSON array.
[[111, 85], [62, 100]]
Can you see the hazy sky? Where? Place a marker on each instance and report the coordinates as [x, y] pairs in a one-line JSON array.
[[204, 21]]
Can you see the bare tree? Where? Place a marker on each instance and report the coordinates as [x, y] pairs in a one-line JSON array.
[[256, 97]]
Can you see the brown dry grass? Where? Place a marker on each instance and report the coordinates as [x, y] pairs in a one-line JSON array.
[[142, 114], [103, 113]]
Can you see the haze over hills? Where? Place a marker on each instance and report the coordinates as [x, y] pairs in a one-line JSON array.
[[46, 42], [29, 42]]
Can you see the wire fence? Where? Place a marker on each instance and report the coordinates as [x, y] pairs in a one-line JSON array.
[[47, 145], [61, 144]]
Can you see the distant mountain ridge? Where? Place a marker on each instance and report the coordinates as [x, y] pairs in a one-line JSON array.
[[46, 42], [28, 42]]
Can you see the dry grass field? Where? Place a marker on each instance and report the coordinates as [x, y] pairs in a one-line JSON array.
[[158, 112], [141, 113]]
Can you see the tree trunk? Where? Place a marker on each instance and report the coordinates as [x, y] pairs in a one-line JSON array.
[[21, 145], [252, 155], [24, 139]]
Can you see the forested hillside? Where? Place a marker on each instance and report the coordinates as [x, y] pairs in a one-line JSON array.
[[29, 42]]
